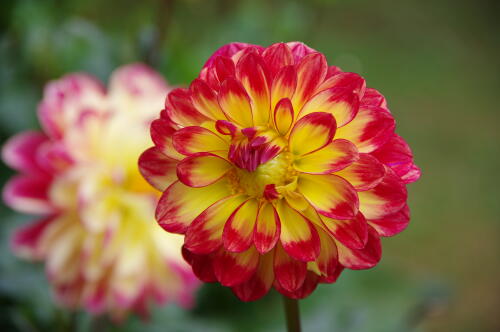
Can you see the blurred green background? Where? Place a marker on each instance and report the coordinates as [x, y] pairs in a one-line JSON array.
[[437, 62]]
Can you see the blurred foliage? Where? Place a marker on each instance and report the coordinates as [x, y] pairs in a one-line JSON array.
[[437, 62]]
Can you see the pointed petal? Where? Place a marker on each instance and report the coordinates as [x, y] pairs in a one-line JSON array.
[[276, 57], [372, 97], [351, 81], [260, 283], [311, 133], [181, 110], [204, 235], [365, 173], [235, 102], [299, 50], [20, 151], [224, 67], [28, 194], [337, 155], [232, 269], [267, 228], [392, 224], [283, 116], [311, 71], [161, 134], [180, 204], [370, 129], [202, 265], [330, 195], [284, 85], [202, 169], [298, 236], [352, 233], [388, 197], [359, 259], [205, 100], [342, 103], [290, 273], [157, 169], [191, 140], [227, 50], [25, 240], [238, 231], [252, 73], [327, 260], [309, 285]]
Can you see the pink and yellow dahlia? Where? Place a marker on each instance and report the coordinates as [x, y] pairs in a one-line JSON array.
[[97, 236], [279, 169]]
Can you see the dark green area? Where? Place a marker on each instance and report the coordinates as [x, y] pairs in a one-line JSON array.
[[437, 62]]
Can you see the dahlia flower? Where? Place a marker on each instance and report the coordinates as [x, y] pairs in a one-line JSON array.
[[96, 233], [280, 170]]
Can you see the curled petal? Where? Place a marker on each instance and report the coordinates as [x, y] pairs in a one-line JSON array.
[[370, 129], [227, 50], [342, 103], [194, 139], [330, 195], [181, 110], [284, 85], [202, 265], [308, 286], [28, 194], [252, 73], [359, 259], [283, 116], [372, 97], [350, 81], [202, 169], [352, 233], [267, 228], [290, 273], [392, 224], [238, 231], [235, 102], [276, 57], [388, 197], [365, 173], [299, 50], [260, 282], [157, 168], [180, 204], [205, 99], [311, 133], [161, 134], [337, 155], [298, 236], [232, 269], [327, 260], [224, 68], [311, 71], [204, 235]]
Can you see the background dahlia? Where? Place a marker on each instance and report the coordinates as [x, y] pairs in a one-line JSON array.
[[95, 230], [280, 170]]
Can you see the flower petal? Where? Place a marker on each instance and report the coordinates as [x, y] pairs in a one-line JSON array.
[[28, 194], [337, 155], [181, 110], [276, 57], [227, 50], [352, 233], [161, 134], [388, 197], [330, 195], [290, 273], [260, 283], [372, 97], [202, 265], [25, 240], [204, 235], [180, 205], [283, 116], [298, 236], [194, 139], [205, 100], [284, 85], [202, 169], [365, 173], [327, 260], [232, 269], [20, 151], [267, 228], [342, 103], [157, 168], [235, 102], [238, 231], [308, 286], [224, 67], [359, 259], [392, 224], [252, 73], [311, 71], [311, 133], [136, 80], [299, 50], [370, 129], [350, 81]]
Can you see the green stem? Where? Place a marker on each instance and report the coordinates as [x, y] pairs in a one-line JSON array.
[[292, 314]]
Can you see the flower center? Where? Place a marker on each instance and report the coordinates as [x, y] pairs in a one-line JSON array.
[[262, 181]]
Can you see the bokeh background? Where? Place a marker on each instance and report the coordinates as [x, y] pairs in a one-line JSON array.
[[437, 62]]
